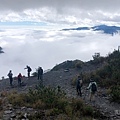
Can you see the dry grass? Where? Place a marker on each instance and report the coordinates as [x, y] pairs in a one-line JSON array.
[[62, 108]]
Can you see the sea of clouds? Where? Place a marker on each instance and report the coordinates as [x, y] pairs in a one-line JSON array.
[[35, 46]]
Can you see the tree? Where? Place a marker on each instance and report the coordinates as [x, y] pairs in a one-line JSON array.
[[96, 56]]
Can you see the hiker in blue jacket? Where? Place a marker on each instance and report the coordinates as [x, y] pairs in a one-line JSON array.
[[79, 85]]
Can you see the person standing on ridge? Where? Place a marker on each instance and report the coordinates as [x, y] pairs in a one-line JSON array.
[[28, 70], [93, 88], [40, 73], [19, 79], [10, 75], [79, 86]]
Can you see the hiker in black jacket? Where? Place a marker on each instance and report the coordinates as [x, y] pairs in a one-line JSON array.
[[79, 85], [10, 75], [28, 70], [40, 73]]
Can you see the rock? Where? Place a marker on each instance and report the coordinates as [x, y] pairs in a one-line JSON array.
[[8, 112], [13, 115], [117, 112]]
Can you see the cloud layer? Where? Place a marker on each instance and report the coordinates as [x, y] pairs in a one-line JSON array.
[[62, 12], [35, 47], [17, 5], [41, 43]]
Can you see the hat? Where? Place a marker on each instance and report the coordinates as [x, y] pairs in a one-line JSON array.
[[91, 80]]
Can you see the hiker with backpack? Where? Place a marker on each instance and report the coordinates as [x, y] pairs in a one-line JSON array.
[[79, 86], [28, 70], [93, 89], [40, 73], [10, 75]]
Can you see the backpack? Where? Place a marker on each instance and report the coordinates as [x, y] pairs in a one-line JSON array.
[[79, 82], [10, 74], [29, 69], [93, 87]]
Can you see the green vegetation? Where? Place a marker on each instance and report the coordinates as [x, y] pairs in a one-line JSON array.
[[69, 64], [106, 71], [109, 75], [52, 102], [115, 94]]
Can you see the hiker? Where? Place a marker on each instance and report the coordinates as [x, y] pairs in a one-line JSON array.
[[28, 70], [93, 89], [79, 85], [19, 79], [10, 75], [40, 73]]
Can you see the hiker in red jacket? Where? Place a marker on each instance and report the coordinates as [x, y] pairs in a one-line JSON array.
[[19, 79]]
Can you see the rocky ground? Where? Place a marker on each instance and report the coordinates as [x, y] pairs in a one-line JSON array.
[[63, 79]]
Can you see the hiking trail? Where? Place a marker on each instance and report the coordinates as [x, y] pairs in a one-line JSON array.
[[63, 79]]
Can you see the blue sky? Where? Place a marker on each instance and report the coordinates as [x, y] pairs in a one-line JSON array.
[[23, 23]]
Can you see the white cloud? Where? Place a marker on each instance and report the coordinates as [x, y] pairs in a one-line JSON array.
[[42, 44], [47, 48], [82, 4], [62, 12]]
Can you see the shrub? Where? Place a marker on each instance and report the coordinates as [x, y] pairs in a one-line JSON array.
[[78, 64], [35, 74], [17, 99], [51, 102], [88, 111], [73, 80], [77, 104], [39, 104], [69, 110], [115, 94], [62, 103]]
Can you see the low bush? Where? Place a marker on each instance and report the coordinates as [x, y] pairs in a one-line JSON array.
[[53, 101], [115, 94]]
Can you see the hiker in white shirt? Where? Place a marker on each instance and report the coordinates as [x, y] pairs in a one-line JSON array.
[[93, 89]]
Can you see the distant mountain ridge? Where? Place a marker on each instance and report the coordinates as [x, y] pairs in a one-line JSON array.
[[1, 51], [106, 29]]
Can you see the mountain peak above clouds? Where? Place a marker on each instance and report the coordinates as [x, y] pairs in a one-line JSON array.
[[103, 28], [1, 51]]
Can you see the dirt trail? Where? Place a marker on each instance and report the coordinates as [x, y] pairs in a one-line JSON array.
[[63, 79]]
